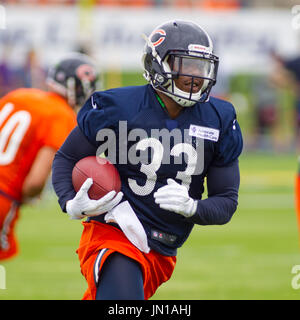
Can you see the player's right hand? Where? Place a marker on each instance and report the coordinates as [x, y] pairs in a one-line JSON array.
[[82, 206]]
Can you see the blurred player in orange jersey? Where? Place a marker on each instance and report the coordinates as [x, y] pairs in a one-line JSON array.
[[33, 125]]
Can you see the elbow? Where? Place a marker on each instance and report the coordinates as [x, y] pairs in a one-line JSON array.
[[226, 219], [229, 213], [32, 189]]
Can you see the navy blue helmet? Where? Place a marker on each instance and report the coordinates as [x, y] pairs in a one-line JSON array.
[[180, 48], [74, 77]]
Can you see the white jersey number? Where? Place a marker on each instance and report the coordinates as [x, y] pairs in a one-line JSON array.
[[150, 169], [12, 132]]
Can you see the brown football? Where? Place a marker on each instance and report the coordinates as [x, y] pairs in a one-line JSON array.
[[104, 174]]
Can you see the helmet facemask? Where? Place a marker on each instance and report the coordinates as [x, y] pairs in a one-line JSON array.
[[190, 77]]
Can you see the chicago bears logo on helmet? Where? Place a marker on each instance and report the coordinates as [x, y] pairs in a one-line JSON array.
[[86, 72], [157, 37]]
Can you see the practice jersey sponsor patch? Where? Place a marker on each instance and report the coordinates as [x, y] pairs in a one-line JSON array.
[[204, 132]]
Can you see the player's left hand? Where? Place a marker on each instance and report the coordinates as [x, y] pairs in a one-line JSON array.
[[175, 197]]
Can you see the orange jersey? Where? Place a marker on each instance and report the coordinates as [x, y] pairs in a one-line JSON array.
[[29, 120]]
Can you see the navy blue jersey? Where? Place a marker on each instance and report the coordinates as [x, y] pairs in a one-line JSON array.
[[149, 147]]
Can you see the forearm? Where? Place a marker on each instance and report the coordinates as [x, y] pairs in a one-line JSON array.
[[74, 148], [222, 201], [62, 178], [214, 211], [36, 178]]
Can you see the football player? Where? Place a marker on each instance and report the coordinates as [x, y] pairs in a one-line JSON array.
[[33, 125], [176, 136]]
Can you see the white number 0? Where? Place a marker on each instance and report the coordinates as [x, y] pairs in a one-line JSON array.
[[12, 132], [150, 169]]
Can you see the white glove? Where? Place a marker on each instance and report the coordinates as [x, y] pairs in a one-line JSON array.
[[81, 205], [175, 197]]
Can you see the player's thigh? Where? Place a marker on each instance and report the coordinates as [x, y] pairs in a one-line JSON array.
[[120, 278]]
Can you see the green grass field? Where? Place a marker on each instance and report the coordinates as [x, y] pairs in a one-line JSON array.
[[249, 258]]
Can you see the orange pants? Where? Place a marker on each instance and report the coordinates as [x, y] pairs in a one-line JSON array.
[[96, 236], [9, 212]]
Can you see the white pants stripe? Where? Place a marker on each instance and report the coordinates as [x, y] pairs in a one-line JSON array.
[[4, 244], [97, 265]]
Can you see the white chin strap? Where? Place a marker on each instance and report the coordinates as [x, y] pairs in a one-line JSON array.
[[184, 102], [182, 97]]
